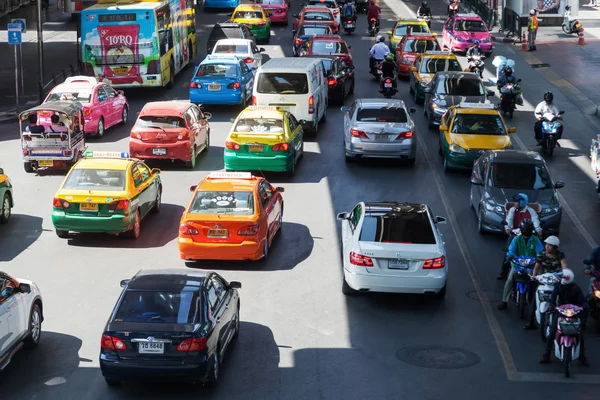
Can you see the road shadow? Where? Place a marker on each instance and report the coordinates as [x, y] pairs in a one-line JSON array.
[[207, 161], [280, 258], [20, 233]]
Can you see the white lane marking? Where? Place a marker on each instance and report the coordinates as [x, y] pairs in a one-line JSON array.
[[274, 51]]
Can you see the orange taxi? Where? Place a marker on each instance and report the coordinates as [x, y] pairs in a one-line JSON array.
[[231, 216]]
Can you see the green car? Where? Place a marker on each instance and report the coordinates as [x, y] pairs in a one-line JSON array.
[[6, 198]]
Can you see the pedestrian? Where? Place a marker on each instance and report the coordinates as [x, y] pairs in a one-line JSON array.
[[60, 5], [532, 27]]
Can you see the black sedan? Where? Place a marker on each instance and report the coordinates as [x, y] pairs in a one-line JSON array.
[[305, 32], [171, 324], [340, 78]]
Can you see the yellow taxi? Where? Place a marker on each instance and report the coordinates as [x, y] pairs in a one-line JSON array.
[[255, 18], [264, 138], [406, 26], [467, 130], [106, 192], [425, 67], [6, 197]]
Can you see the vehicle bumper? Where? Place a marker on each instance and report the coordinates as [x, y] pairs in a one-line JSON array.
[[406, 149], [420, 90], [279, 17], [81, 223], [247, 250], [115, 369], [175, 151], [244, 162], [436, 117], [460, 161], [226, 97], [432, 283], [221, 3], [91, 126], [404, 69], [261, 33], [492, 222]]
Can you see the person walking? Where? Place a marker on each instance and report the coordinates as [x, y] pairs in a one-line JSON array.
[[532, 27]]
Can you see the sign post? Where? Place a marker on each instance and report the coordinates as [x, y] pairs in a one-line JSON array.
[[23, 23], [14, 38]]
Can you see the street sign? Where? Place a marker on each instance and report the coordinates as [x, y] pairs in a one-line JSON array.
[[14, 37], [20, 21]]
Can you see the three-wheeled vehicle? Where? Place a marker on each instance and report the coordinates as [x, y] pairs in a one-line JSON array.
[[59, 145]]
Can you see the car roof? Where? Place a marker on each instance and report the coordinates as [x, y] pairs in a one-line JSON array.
[[249, 112], [471, 17], [452, 74], [288, 63], [167, 279], [221, 58], [374, 102], [114, 164], [228, 184], [411, 21], [327, 37], [173, 108], [233, 41], [248, 7], [516, 156], [395, 206], [72, 86], [312, 24], [226, 25]]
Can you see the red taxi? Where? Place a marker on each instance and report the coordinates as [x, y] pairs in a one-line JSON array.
[[410, 47], [328, 45], [231, 216], [316, 15]]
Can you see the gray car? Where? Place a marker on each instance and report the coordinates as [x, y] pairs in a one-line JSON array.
[[449, 89], [498, 175], [379, 128]]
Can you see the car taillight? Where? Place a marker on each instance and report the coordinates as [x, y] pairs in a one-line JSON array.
[[331, 81], [195, 344], [349, 21], [194, 85], [336, 11], [119, 205], [435, 263], [186, 229], [360, 260], [183, 135], [311, 105], [154, 67], [27, 138], [136, 135], [357, 133], [281, 147], [67, 153], [249, 60], [253, 100], [249, 230], [60, 203], [234, 85], [232, 145], [64, 137], [112, 343], [298, 42], [405, 135], [26, 151], [86, 111]]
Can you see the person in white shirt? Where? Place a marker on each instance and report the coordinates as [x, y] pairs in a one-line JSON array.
[[56, 126], [378, 51], [544, 107]]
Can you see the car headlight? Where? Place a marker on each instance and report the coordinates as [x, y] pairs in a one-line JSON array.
[[460, 39], [438, 110], [487, 40], [550, 210], [493, 207], [456, 149]]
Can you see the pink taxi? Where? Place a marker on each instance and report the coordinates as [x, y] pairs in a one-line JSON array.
[[462, 30], [103, 106], [277, 8]]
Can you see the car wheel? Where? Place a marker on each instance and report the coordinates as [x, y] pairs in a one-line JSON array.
[[236, 322], [447, 167], [244, 102], [171, 83], [5, 211], [112, 382], [100, 129], [62, 234], [266, 248], [480, 221], [28, 167], [346, 289], [134, 233], [292, 169], [280, 229], [324, 117], [352, 87], [442, 293], [411, 161], [35, 328], [471, 200], [315, 129], [124, 116], [158, 201], [207, 141], [410, 87], [213, 379], [192, 163]]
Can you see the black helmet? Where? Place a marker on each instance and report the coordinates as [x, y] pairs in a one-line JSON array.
[[508, 71], [548, 97], [424, 4], [526, 227]]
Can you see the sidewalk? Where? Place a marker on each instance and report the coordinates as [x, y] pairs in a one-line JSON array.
[[60, 51]]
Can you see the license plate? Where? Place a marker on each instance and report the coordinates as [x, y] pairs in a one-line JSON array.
[[88, 207], [45, 163], [151, 348], [120, 70], [214, 87], [381, 138], [387, 85], [159, 152], [220, 233], [350, 25], [398, 264], [257, 148]]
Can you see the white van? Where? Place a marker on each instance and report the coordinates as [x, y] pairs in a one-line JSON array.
[[298, 85]]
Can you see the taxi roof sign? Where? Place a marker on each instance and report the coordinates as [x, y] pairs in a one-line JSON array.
[[437, 53], [265, 108], [485, 106], [230, 175], [106, 154]]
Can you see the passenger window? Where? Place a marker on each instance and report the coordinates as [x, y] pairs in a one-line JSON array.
[[137, 176], [7, 288], [144, 171], [197, 113], [190, 116], [213, 297], [110, 92], [265, 193], [102, 96], [244, 68], [352, 109], [219, 286], [293, 123]]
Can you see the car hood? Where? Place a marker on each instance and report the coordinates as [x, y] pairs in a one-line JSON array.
[[410, 56], [472, 35], [445, 100], [273, 6], [546, 197], [488, 142], [424, 77]]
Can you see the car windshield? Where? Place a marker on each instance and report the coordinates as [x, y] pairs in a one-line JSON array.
[[95, 179], [420, 45], [382, 114], [231, 49], [160, 122], [259, 125], [227, 32], [470, 26], [328, 4], [282, 83], [478, 124], [461, 85], [236, 203], [397, 227], [82, 96], [314, 30], [318, 16], [269, 2], [161, 307], [217, 70], [323, 47], [402, 30], [520, 176], [433, 65], [248, 15]]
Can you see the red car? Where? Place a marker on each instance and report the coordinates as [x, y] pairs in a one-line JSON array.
[[327, 45], [410, 47], [171, 130], [317, 15], [278, 9]]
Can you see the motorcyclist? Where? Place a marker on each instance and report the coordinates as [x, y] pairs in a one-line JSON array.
[[544, 107], [378, 51], [388, 70], [594, 265], [424, 10], [524, 244], [349, 11], [373, 11], [508, 77], [566, 293], [551, 259], [452, 8], [474, 50]]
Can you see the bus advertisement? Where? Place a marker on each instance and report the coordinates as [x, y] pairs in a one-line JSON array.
[[140, 43]]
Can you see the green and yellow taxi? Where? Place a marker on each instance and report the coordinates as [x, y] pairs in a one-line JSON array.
[[264, 138], [425, 66], [6, 197], [403, 27], [467, 130], [106, 192], [255, 18]]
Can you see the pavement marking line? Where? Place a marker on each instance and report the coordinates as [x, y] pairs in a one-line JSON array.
[[552, 378]]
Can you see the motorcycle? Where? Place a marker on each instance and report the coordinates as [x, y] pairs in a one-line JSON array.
[[508, 97], [542, 300], [570, 26], [523, 266], [373, 27], [567, 342], [427, 20], [594, 297], [550, 125], [348, 25], [476, 64], [376, 70], [388, 89]]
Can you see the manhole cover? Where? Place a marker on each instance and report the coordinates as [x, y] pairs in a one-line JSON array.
[[437, 357], [492, 295], [540, 65]]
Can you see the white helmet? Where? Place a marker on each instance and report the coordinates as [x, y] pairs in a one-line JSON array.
[[567, 277], [553, 240], [378, 38], [532, 12]]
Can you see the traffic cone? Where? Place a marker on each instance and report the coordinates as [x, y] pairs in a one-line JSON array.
[[524, 43], [581, 40]]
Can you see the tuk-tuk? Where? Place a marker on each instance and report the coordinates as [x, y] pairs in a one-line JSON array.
[[58, 140]]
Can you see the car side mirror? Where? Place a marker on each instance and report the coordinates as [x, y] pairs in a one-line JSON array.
[[121, 93], [476, 181], [428, 90], [295, 16], [279, 189], [561, 112], [390, 33], [342, 216], [349, 46], [235, 285], [262, 50], [412, 110], [25, 288], [440, 220], [345, 109], [269, 15], [232, 120], [302, 122], [125, 282], [155, 171], [1, 171], [588, 262], [490, 93], [559, 185], [207, 116], [193, 188], [512, 130], [293, 31], [351, 67], [443, 128], [413, 69]]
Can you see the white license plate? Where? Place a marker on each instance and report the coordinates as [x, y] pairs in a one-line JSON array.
[[159, 152], [151, 348], [387, 85], [214, 87], [381, 138], [349, 25], [398, 264]]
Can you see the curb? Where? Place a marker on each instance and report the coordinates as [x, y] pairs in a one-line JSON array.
[[503, 39]]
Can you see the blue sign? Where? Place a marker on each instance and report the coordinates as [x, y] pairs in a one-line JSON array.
[[14, 37], [21, 22]]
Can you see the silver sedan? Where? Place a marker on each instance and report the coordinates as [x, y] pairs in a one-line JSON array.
[[379, 128]]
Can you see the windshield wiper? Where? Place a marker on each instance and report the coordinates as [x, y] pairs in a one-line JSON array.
[[156, 127], [156, 318]]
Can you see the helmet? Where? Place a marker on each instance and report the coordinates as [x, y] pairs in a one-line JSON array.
[[567, 277], [526, 227], [508, 71], [476, 43], [552, 240], [548, 97], [532, 12], [389, 57], [522, 199], [381, 39], [424, 4]]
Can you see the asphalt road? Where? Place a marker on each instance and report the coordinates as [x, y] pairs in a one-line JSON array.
[[300, 337]]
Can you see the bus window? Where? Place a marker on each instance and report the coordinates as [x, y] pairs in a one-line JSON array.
[[165, 31]]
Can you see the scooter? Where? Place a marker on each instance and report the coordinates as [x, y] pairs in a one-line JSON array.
[[373, 28], [542, 300], [349, 25], [567, 342], [508, 98], [476, 63], [388, 89], [427, 20], [594, 298], [570, 26], [523, 267], [376, 70], [550, 125]]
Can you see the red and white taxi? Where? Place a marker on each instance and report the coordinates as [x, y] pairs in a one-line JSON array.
[[103, 106]]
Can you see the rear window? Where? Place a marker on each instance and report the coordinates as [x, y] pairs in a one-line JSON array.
[[282, 83], [218, 70], [328, 4], [248, 15], [160, 122], [420, 46], [227, 32], [236, 203], [460, 86], [310, 30], [268, 2], [259, 125], [83, 96], [95, 179], [396, 227], [162, 307], [323, 47], [403, 30], [318, 16], [433, 65], [231, 48], [383, 114]]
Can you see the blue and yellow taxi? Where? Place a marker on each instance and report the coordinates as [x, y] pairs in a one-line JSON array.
[[425, 66]]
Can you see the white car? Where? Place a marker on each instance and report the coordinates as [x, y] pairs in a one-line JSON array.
[[20, 316], [244, 49], [393, 247]]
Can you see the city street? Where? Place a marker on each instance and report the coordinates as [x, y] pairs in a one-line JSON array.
[[300, 337]]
